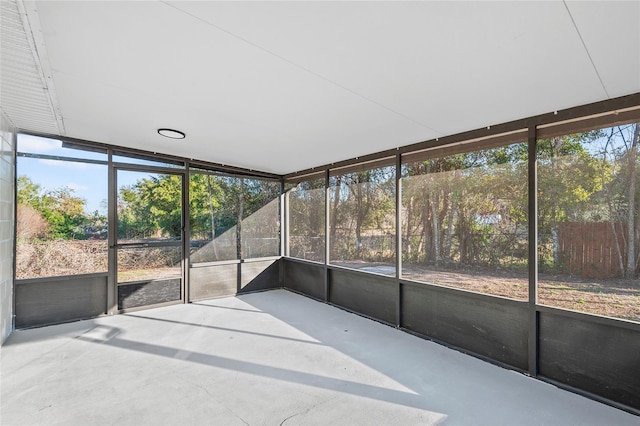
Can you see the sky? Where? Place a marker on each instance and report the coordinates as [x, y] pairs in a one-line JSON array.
[[87, 181]]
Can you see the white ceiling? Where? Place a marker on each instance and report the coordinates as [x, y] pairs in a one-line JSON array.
[[284, 86]]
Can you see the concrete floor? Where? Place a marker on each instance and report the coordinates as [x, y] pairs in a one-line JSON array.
[[269, 358]]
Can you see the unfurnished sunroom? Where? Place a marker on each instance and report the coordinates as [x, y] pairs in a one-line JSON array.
[[466, 172]]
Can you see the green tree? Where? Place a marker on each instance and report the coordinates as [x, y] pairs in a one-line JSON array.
[[205, 193], [306, 215], [619, 163], [28, 192], [151, 207], [568, 178], [467, 208], [63, 211], [361, 201]]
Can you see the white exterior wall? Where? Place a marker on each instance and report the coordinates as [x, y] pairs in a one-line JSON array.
[[7, 187]]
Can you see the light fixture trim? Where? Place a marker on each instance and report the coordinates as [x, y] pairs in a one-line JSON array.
[[171, 133]]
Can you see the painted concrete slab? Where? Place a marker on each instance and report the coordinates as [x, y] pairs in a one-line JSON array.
[[380, 269], [270, 358]]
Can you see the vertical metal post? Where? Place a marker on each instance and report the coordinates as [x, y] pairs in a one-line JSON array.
[[285, 220], [533, 252], [112, 226], [186, 234], [14, 219], [284, 234], [398, 179], [327, 237], [239, 238]]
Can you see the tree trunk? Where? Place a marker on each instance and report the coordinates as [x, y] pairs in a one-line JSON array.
[[436, 229], [555, 241], [631, 233], [239, 219], [334, 215], [614, 232], [426, 229], [612, 217], [359, 218], [407, 242], [449, 232], [462, 235], [441, 217], [637, 239], [212, 218], [359, 239], [554, 224]]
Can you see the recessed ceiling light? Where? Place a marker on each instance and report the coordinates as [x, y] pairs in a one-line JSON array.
[[171, 133]]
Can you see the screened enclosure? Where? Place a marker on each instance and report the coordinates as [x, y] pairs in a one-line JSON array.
[[519, 244], [130, 230]]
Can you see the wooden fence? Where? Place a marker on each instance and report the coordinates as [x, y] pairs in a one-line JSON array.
[[589, 250]]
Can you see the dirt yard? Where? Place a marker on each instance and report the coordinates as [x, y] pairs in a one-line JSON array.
[[617, 298], [613, 298]]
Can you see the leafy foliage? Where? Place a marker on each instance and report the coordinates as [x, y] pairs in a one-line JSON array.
[[467, 209], [62, 210], [151, 207], [362, 218], [307, 221]]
